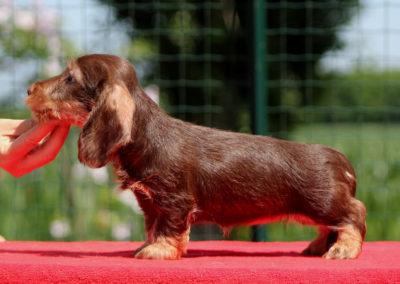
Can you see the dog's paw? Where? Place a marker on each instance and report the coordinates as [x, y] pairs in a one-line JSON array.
[[342, 250], [2, 239], [158, 250]]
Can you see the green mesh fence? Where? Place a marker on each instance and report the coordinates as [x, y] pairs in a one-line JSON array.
[[329, 74]]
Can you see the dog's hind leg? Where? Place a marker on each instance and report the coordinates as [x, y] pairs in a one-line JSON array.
[[351, 234], [342, 225]]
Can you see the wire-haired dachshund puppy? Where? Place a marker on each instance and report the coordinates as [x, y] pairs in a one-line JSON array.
[[183, 173]]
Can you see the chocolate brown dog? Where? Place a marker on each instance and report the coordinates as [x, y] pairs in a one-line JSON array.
[[183, 174]]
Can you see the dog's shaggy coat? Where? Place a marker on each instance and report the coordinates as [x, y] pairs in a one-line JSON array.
[[183, 173]]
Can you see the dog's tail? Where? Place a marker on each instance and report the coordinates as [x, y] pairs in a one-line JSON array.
[[348, 173], [352, 180]]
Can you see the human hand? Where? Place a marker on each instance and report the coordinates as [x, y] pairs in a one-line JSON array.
[[23, 147]]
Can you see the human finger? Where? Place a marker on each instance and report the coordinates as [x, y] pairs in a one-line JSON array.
[[46, 152], [14, 127], [28, 140], [24, 126]]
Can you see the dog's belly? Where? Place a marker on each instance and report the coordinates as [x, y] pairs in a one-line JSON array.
[[250, 215], [297, 218], [239, 220]]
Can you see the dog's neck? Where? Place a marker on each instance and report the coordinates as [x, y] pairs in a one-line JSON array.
[[151, 137]]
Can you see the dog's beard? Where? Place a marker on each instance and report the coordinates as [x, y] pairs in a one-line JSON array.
[[68, 116], [43, 115]]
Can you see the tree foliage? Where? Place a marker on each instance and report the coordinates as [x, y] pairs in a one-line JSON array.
[[203, 50]]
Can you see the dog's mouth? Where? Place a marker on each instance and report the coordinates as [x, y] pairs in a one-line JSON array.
[[67, 113], [40, 112], [46, 114], [43, 115]]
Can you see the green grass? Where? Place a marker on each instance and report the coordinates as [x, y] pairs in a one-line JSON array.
[[29, 205], [375, 153], [57, 192]]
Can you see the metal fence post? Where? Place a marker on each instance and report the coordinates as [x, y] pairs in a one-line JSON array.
[[259, 72], [259, 67]]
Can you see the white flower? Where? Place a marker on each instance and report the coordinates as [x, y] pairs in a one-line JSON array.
[[100, 175], [5, 11], [60, 229], [121, 231], [6, 2], [79, 171], [128, 198], [49, 18], [24, 20]]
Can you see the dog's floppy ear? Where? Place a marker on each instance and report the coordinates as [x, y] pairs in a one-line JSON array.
[[108, 126]]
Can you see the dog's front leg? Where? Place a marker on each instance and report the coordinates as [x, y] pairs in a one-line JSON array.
[[166, 238], [167, 230]]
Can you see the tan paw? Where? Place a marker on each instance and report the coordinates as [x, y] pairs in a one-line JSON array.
[[158, 250], [343, 250], [2, 239], [348, 244]]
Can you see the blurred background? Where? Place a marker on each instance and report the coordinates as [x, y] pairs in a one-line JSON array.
[[323, 71]]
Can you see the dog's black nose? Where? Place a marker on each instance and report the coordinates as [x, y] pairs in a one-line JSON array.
[[30, 90]]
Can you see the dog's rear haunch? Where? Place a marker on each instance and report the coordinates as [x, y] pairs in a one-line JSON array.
[[183, 173]]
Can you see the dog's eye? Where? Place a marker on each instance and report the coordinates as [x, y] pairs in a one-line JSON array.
[[69, 79]]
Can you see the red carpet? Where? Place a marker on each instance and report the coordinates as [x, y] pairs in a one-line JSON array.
[[217, 261]]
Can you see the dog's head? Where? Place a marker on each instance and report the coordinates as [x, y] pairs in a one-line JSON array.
[[95, 93]]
